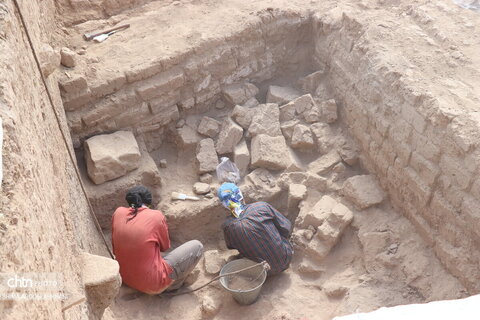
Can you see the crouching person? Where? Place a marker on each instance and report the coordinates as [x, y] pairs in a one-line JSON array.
[[139, 235], [258, 231]]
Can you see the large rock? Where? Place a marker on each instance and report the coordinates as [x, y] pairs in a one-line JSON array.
[[243, 116], [311, 82], [287, 128], [187, 137], [325, 163], [109, 156], [207, 159], [265, 120], [363, 191], [68, 58], [302, 137], [241, 157], [281, 95], [239, 93], [209, 127], [270, 152], [260, 185], [201, 188], [329, 111], [230, 135], [102, 281]]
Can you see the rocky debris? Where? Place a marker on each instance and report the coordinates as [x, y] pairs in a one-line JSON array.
[[241, 157], [209, 127], [109, 156], [296, 193], [210, 306], [288, 178], [310, 83], [265, 120], [281, 95], [270, 152], [239, 93], [243, 116], [73, 84], [220, 104], [68, 58], [302, 137], [180, 123], [316, 182], [186, 136], [102, 281], [163, 163], [49, 59], [214, 260], [331, 218], [287, 128], [348, 153], [206, 156], [325, 163], [363, 191], [324, 136], [260, 185], [287, 112], [230, 135], [302, 237], [206, 178], [201, 188], [251, 103], [334, 290], [329, 111]]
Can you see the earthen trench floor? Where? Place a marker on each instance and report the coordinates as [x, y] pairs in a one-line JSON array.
[[379, 260]]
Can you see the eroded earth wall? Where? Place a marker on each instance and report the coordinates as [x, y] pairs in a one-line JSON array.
[[44, 222], [416, 135]]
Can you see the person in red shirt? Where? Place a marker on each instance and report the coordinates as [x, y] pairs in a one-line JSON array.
[[139, 235]]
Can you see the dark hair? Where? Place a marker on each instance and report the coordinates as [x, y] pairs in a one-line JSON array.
[[136, 197]]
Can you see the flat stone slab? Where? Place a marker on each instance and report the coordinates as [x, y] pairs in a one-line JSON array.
[[265, 120], [270, 152], [363, 190], [206, 156], [110, 156], [281, 95]]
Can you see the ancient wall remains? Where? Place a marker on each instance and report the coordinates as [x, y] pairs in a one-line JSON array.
[[44, 222], [423, 148], [151, 95]]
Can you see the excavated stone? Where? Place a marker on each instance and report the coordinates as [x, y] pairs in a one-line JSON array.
[[207, 159], [187, 137], [214, 260], [334, 290], [210, 306], [209, 127], [251, 103], [288, 178], [316, 182], [260, 185], [363, 191], [241, 157], [287, 112], [201, 188], [311, 82], [102, 281], [329, 111], [287, 128], [348, 153], [281, 95], [270, 152], [109, 156], [324, 136], [265, 120], [73, 84], [206, 178], [302, 137], [49, 59], [220, 104], [296, 193], [68, 58], [239, 93], [230, 135], [325, 163], [302, 104], [243, 116]]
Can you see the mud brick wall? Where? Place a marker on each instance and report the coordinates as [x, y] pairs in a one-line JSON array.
[[149, 96], [423, 149]]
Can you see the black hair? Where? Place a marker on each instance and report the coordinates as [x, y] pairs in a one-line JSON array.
[[137, 197]]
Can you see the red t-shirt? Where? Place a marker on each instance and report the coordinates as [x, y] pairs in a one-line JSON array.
[[137, 245]]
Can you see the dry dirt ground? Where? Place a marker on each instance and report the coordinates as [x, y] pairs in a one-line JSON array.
[[380, 260]]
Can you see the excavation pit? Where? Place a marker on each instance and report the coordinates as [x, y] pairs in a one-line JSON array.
[[276, 84]]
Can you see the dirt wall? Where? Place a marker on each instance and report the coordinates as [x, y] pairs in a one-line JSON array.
[[419, 140], [45, 222]]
